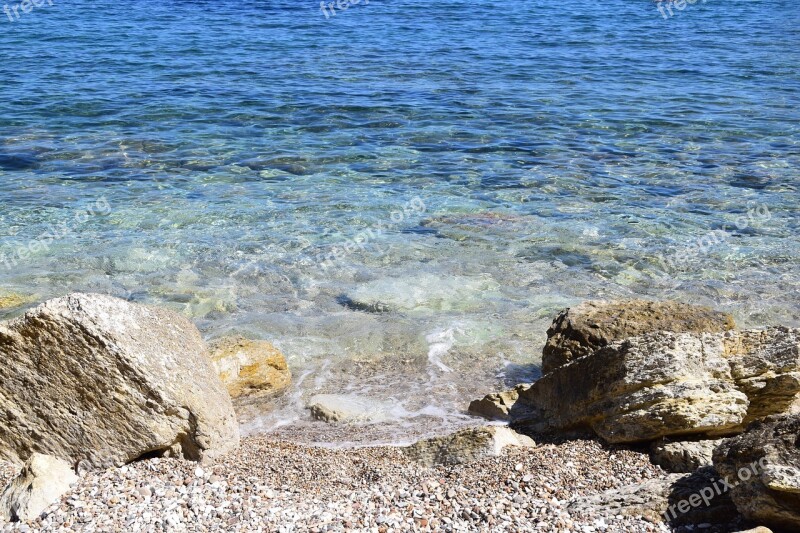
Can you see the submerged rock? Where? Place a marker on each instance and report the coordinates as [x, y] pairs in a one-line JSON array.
[[249, 368], [466, 445], [582, 329], [43, 480], [496, 406], [10, 300], [763, 466], [478, 226], [421, 293], [349, 408], [99, 381], [668, 384]]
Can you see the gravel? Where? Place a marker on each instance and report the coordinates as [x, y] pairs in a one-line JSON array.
[[268, 485], [7, 472]]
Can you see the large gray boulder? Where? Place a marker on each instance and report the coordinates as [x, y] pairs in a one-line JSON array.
[[668, 384], [97, 381], [762, 466], [587, 327]]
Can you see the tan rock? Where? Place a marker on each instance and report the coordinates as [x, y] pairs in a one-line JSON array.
[[466, 446], [765, 366], [42, 482], [683, 456], [249, 368], [496, 406], [640, 389], [668, 384], [97, 380], [582, 329], [763, 467]]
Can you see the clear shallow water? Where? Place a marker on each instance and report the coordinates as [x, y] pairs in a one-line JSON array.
[[477, 165]]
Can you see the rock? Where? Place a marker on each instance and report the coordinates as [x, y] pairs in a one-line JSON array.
[[759, 529], [423, 293], [640, 389], [249, 368], [581, 330], [466, 445], [478, 226], [10, 300], [43, 480], [667, 384], [99, 381], [683, 456], [495, 406], [349, 408], [700, 498], [659, 500], [763, 465], [765, 365], [649, 499]]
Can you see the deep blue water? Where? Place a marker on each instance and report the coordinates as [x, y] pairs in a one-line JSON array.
[[515, 157]]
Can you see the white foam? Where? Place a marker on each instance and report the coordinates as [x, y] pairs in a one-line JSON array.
[[440, 342]]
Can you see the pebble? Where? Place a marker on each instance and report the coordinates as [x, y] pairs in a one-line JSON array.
[[271, 485]]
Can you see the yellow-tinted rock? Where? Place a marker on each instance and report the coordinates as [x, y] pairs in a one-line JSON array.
[[249, 368], [9, 300]]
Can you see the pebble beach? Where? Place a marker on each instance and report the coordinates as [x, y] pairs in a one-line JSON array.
[[511, 268], [276, 486]]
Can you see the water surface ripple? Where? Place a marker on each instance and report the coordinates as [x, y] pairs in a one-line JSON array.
[[471, 167]]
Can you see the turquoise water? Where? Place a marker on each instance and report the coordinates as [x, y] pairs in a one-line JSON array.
[[401, 196]]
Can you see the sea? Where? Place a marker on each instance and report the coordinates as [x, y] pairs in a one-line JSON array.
[[400, 195]]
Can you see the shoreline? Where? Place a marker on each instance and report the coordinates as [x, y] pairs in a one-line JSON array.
[[624, 423]]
